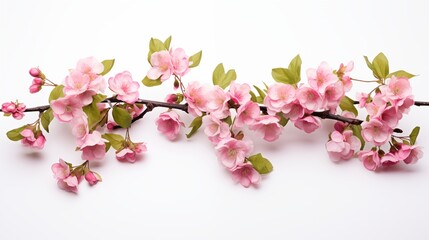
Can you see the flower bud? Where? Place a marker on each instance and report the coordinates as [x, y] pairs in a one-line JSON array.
[[92, 178], [171, 98], [35, 72], [176, 84]]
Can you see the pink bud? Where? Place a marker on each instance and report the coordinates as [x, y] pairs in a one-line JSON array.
[[34, 72], [111, 125], [35, 88], [92, 178], [38, 81], [171, 98]]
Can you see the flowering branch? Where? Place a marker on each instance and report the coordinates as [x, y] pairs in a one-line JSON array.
[[226, 109]]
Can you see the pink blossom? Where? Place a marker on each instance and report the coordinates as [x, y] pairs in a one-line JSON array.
[[215, 129], [111, 125], [404, 105], [389, 159], [321, 78], [67, 108], [179, 62], [309, 98], [61, 170], [363, 99], [135, 109], [342, 145], [239, 93], [171, 98], [269, 127], [247, 114], [409, 154], [161, 66], [14, 109], [80, 128], [308, 124], [92, 178], [344, 74], [93, 147], [35, 72], [391, 116], [69, 184], [129, 154], [294, 110], [196, 97], [169, 123], [36, 85], [278, 97], [396, 88], [333, 95], [33, 140], [376, 132], [217, 103], [246, 175], [76, 83], [123, 85], [232, 152], [90, 66], [370, 159]]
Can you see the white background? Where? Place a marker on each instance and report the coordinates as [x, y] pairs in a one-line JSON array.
[[178, 190]]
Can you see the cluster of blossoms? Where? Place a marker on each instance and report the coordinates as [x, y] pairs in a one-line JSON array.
[[226, 109]]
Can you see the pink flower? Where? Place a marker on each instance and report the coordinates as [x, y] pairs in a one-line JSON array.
[[246, 175], [123, 85], [36, 85], [391, 116], [278, 97], [179, 62], [344, 74], [196, 97], [232, 152], [61, 170], [171, 98], [217, 103], [69, 184], [129, 154], [363, 99], [80, 128], [35, 72], [14, 109], [409, 154], [169, 124], [396, 88], [239, 93], [92, 178], [308, 124], [76, 83], [161, 66], [376, 132], [67, 108], [294, 110], [342, 145], [389, 159], [93, 147], [90, 66], [33, 140], [269, 127], [321, 78], [215, 129], [309, 98], [370, 159], [333, 95], [247, 114]]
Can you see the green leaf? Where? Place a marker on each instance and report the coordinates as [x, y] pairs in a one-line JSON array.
[[368, 63], [221, 79], [108, 65], [253, 96], [357, 129], [346, 104], [15, 134], [284, 75], [195, 125], [414, 134], [167, 42], [295, 66], [261, 164], [155, 45], [381, 66], [261, 93], [195, 59], [56, 93], [401, 73], [283, 121], [122, 117], [93, 114], [115, 140], [46, 119], [151, 83]]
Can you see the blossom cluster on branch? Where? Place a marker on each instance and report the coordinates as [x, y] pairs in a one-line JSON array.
[[226, 109]]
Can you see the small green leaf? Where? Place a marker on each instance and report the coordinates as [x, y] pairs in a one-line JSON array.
[[414, 134], [167, 42], [108, 65], [401, 73], [151, 83], [283, 121], [381, 66], [261, 93], [46, 119], [15, 134], [284, 75], [195, 125], [122, 117], [56, 93], [368, 63], [222, 79], [295, 66], [195, 59], [253, 96], [357, 129], [261, 164], [346, 104], [115, 140]]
